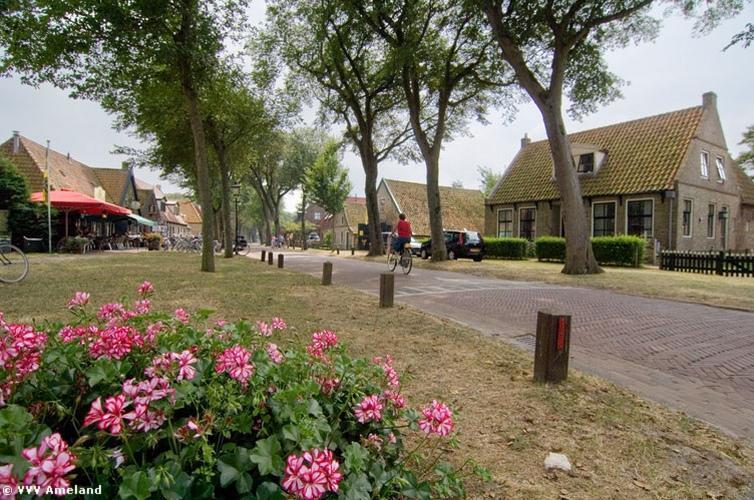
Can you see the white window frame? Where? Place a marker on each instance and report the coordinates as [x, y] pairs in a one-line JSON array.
[[704, 164], [652, 234], [497, 222], [720, 164], [691, 218], [714, 220], [534, 207], [615, 215]]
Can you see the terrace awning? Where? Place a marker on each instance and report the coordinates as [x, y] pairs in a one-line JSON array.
[[73, 201], [142, 220]]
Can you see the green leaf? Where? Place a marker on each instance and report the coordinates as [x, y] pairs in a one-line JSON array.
[[228, 473], [356, 457], [136, 485], [356, 487], [244, 483], [14, 418], [269, 491], [267, 454]]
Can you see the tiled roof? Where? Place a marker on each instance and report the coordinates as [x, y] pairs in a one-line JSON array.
[[115, 181], [356, 212], [65, 172], [642, 156], [461, 208], [190, 211], [172, 218], [745, 186]]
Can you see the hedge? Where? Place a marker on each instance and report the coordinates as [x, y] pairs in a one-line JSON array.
[[608, 250], [619, 250], [505, 248]]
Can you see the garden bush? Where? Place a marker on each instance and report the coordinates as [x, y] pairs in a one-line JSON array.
[[136, 403], [550, 248], [619, 250], [505, 248]]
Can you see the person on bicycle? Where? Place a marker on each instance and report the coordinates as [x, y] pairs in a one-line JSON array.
[[403, 232]]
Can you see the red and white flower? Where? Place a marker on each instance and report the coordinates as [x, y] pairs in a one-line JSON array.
[[369, 409], [80, 299], [437, 419]]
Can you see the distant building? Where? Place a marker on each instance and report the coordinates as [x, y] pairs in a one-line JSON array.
[[192, 214], [346, 224], [156, 206]]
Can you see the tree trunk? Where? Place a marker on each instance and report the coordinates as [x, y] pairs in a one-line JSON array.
[[373, 210], [579, 256], [439, 252], [228, 229], [303, 220]]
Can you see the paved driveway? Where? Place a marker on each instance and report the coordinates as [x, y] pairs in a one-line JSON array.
[[692, 357]]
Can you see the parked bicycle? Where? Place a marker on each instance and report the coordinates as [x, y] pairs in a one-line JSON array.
[[404, 258], [14, 265]]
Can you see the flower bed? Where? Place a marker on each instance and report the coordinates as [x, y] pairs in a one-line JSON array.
[[140, 403]]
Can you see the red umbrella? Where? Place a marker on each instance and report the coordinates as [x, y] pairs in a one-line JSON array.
[[73, 201]]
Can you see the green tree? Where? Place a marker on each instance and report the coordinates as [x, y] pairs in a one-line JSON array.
[[448, 74], [24, 218], [107, 50], [488, 179], [327, 181], [334, 57], [746, 159]]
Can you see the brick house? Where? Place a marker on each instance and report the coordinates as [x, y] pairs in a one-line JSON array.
[[461, 208], [154, 205], [668, 178], [192, 214], [346, 224]]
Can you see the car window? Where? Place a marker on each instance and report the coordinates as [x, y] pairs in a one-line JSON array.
[[449, 237], [472, 237]]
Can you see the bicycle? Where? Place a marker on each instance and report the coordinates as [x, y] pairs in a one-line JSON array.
[[14, 265], [404, 258]]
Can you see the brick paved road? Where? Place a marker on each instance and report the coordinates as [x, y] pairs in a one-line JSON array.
[[696, 358]]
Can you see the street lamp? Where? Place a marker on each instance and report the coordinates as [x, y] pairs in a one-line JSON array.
[[236, 194]]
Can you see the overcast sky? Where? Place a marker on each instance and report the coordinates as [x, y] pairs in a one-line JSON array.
[[671, 73]]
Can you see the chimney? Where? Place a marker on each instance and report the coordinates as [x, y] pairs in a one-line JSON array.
[[68, 157], [525, 141], [709, 100], [16, 142]]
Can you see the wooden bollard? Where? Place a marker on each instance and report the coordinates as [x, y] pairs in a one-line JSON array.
[[327, 273], [352, 251], [387, 287], [280, 261], [264, 255], [553, 346], [269, 258]]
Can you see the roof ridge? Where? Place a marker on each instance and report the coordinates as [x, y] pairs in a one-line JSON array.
[[424, 184], [627, 122]]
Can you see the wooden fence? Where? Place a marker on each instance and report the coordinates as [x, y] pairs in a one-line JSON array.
[[720, 263]]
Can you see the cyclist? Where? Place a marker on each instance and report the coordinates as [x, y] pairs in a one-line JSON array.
[[404, 233]]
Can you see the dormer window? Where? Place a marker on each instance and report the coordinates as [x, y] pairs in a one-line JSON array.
[[586, 163], [720, 168]]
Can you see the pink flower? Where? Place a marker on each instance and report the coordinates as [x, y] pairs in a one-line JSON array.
[[142, 306], [387, 367], [21, 350], [264, 329], [396, 398], [274, 353], [391, 438], [170, 362], [114, 342], [152, 331], [181, 315], [146, 288], [278, 324], [436, 419], [374, 441], [329, 385], [50, 463], [111, 311], [311, 475], [370, 408], [143, 419], [110, 419], [185, 369], [235, 362], [191, 430], [3, 324], [80, 299], [321, 341], [8, 483]]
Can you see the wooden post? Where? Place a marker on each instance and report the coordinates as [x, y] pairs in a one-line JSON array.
[[269, 258], [387, 288], [352, 251], [719, 263], [326, 273], [553, 345], [280, 261], [264, 255]]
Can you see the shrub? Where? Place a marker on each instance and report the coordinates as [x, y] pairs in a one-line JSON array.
[[619, 250], [24, 218], [550, 248], [142, 403], [73, 244], [505, 248]]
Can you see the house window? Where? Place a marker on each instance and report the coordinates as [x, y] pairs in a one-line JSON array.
[[704, 164], [639, 218], [720, 168], [317, 215], [687, 217], [505, 223], [711, 221], [586, 163], [526, 223], [604, 219]]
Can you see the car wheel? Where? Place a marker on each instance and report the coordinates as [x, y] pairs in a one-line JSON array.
[[425, 255], [478, 259], [452, 255]]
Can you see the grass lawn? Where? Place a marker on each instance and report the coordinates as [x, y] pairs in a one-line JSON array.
[[621, 446], [648, 281]]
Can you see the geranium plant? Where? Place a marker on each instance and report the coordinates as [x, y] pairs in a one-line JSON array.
[[129, 401]]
